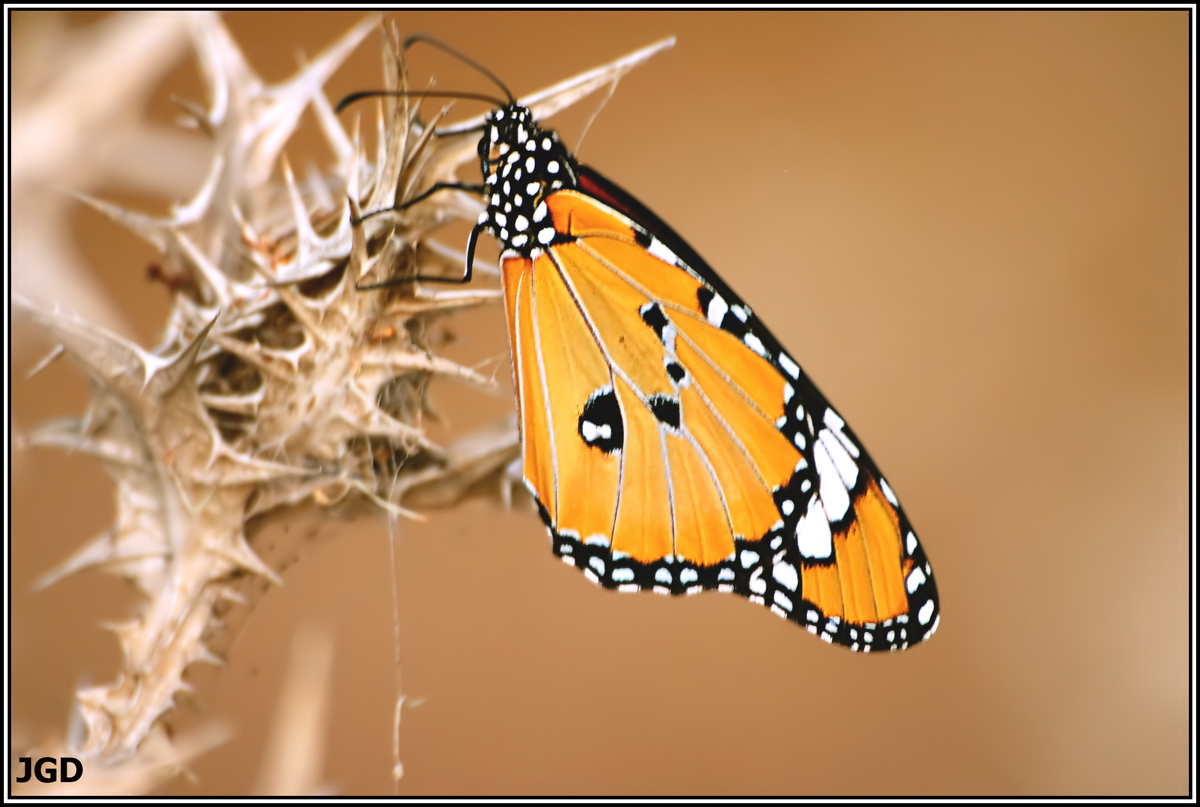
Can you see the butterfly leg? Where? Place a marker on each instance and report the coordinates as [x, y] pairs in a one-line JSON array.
[[437, 186], [471, 242], [470, 261]]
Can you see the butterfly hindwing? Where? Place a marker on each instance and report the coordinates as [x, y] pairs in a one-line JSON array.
[[670, 441]]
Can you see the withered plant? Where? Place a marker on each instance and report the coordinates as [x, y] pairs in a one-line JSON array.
[[278, 386]]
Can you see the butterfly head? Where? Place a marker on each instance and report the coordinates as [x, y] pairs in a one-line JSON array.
[[522, 164]]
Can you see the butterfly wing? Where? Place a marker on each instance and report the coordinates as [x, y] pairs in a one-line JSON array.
[[673, 445]]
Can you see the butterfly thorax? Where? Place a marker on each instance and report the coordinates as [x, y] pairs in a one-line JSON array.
[[522, 164]]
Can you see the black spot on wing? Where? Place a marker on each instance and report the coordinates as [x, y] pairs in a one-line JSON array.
[[652, 315], [600, 423], [665, 409]]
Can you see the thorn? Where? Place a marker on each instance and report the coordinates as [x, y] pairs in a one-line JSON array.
[[54, 353], [242, 556], [171, 370]]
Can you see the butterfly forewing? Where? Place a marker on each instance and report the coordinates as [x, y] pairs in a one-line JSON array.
[[670, 441]]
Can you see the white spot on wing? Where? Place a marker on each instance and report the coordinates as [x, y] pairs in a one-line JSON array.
[[841, 458], [793, 369], [785, 574], [659, 250], [887, 491], [669, 337], [841, 435], [833, 420], [716, 310], [833, 490], [755, 344], [915, 579], [926, 609], [813, 536], [622, 575], [757, 584]]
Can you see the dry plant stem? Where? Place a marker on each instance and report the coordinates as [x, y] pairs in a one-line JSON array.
[[277, 389]]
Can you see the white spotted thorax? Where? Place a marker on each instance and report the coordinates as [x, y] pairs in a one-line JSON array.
[[522, 164]]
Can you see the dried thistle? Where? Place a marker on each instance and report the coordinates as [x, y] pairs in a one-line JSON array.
[[277, 384]]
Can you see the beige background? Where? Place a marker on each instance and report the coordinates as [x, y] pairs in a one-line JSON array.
[[972, 231]]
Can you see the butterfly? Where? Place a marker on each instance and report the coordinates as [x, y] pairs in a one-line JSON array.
[[670, 442]]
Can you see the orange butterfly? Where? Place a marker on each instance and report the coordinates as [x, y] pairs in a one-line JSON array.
[[670, 442]]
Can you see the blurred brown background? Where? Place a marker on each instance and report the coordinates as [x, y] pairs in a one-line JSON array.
[[970, 228]]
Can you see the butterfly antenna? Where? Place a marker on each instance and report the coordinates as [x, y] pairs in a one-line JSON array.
[[469, 96], [437, 43]]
